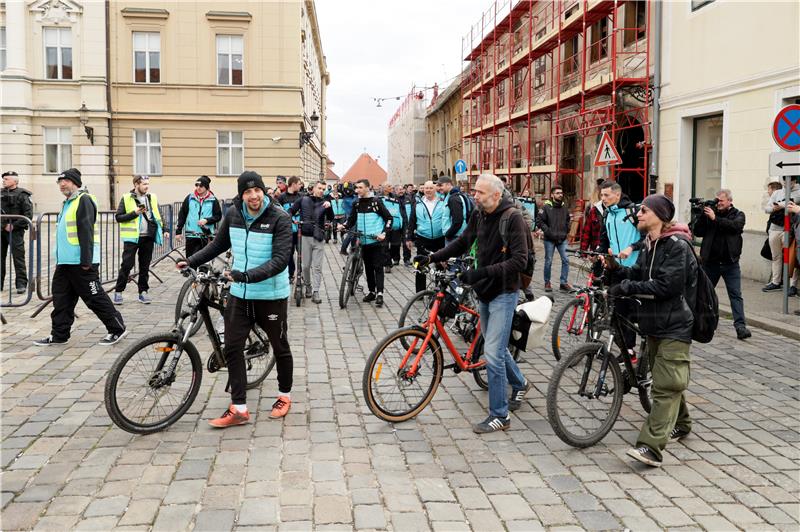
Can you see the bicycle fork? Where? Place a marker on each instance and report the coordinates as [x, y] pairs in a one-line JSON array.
[[600, 389]]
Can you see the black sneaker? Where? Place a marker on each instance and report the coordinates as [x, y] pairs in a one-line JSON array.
[[742, 333], [517, 396], [309, 292], [566, 287], [379, 300], [343, 253], [407, 263], [369, 298], [771, 287], [645, 455], [678, 434], [792, 291], [387, 269], [492, 424], [111, 338], [48, 340], [315, 298], [395, 263]]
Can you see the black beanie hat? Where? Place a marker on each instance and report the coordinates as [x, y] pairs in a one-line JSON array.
[[250, 179], [73, 174], [661, 206], [203, 181]]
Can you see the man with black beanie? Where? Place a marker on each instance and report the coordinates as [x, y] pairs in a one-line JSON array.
[[260, 234], [200, 213]]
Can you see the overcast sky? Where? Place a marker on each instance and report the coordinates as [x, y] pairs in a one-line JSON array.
[[379, 49]]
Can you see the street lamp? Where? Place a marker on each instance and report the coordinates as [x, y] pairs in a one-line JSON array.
[[306, 136], [84, 120]]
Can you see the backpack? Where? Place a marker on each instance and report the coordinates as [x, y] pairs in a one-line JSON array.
[[526, 275], [469, 203], [706, 306]]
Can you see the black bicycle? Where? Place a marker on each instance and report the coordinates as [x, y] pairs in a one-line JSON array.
[[155, 381], [298, 270], [353, 268], [585, 393], [189, 293]]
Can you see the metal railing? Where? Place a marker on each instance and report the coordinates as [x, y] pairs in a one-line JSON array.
[[10, 298]]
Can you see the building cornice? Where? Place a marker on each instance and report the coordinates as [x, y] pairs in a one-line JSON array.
[[144, 12], [230, 16]]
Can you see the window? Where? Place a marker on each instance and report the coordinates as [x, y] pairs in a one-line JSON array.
[[487, 104], [599, 48], [707, 156], [501, 94], [500, 162], [516, 154], [519, 78], [230, 153], [2, 48], [229, 59], [571, 56], [147, 148], [539, 72], [486, 159], [568, 152], [146, 57], [57, 149], [697, 4], [539, 153], [635, 21], [58, 53]]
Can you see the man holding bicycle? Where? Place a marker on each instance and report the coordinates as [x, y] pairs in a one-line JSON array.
[[370, 217], [496, 282], [666, 269], [260, 235], [314, 211]]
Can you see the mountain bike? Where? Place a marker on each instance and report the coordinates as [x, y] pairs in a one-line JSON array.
[[155, 381], [404, 370], [189, 292], [585, 393], [353, 268]]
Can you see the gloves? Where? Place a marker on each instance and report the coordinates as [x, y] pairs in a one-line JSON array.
[[472, 276], [239, 277], [421, 261], [616, 290]]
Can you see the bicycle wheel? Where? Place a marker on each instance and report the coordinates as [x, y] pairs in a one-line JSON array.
[[391, 394], [187, 296], [416, 309], [138, 399], [644, 379], [579, 415], [346, 284], [258, 358], [298, 283], [359, 270], [479, 374], [569, 327]]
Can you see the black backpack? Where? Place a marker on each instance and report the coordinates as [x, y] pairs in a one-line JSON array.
[[706, 305], [526, 275]]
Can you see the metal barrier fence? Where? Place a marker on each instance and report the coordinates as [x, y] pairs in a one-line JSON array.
[[10, 297]]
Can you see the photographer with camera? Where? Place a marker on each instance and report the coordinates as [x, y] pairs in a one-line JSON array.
[[721, 226], [141, 228]]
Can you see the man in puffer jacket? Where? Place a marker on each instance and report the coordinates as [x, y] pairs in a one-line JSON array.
[[666, 273]]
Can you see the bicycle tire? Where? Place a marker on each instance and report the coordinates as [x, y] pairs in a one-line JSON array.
[[258, 357], [562, 340], [183, 294], [572, 362], [416, 298], [480, 374], [358, 271], [344, 286], [120, 418], [642, 371], [373, 369]]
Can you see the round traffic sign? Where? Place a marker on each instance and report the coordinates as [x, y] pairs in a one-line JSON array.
[[786, 128], [461, 166]]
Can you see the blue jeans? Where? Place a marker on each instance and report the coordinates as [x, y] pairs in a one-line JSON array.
[[346, 241], [549, 251], [732, 275], [496, 318]]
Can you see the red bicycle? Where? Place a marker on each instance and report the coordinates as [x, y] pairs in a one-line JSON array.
[[404, 370]]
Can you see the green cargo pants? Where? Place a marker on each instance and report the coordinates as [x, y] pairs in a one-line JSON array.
[[669, 365]]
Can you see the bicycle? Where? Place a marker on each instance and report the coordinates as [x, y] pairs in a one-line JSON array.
[[590, 377], [414, 362], [155, 381], [298, 270], [353, 268], [188, 294]]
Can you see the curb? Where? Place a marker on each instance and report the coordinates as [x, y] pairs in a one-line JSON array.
[[767, 324]]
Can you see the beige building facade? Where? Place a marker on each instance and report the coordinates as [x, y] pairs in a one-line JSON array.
[[408, 148], [443, 123], [717, 106]]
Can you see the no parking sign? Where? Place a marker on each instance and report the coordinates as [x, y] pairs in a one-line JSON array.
[[786, 128]]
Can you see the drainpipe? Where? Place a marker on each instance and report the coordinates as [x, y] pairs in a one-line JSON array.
[[656, 99], [111, 172]]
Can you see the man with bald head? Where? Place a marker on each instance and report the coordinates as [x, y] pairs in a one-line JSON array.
[[425, 226]]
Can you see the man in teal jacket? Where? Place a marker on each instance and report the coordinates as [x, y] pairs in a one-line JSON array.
[[260, 234]]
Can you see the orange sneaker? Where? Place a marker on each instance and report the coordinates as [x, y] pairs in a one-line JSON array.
[[230, 418], [281, 407]]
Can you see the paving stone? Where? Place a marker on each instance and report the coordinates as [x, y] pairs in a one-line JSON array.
[[512, 507], [140, 512], [263, 511], [332, 509], [172, 518], [21, 515], [369, 517], [109, 506], [214, 520]]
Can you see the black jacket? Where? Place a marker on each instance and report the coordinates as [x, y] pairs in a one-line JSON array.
[[554, 222], [85, 217], [455, 203], [667, 270], [273, 220], [367, 205], [313, 215], [122, 216], [500, 270], [722, 235], [17, 201]]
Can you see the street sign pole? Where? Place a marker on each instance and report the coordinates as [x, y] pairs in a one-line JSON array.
[[787, 180]]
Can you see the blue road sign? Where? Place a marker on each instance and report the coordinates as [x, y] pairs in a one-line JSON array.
[[461, 166], [786, 128]]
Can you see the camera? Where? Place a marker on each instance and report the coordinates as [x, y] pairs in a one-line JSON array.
[[698, 204]]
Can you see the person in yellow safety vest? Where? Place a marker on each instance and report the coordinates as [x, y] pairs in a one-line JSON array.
[[141, 228], [77, 266]]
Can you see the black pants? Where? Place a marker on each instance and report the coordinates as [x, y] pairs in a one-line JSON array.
[[193, 245], [71, 282], [291, 255], [144, 249], [426, 246], [240, 314], [17, 239], [395, 239], [374, 258]]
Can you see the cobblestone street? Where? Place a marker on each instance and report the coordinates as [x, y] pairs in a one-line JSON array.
[[330, 464]]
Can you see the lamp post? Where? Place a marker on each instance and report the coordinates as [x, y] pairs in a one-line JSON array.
[[84, 120], [306, 136]]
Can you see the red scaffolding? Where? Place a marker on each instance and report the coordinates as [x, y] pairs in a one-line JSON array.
[[545, 78]]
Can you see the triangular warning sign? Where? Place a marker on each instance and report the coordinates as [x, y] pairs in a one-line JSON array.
[[607, 154]]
